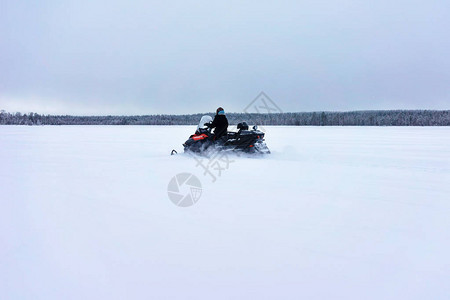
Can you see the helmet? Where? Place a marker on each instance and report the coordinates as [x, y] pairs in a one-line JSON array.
[[220, 109], [242, 126]]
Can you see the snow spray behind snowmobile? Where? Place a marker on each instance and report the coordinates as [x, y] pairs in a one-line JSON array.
[[244, 140]]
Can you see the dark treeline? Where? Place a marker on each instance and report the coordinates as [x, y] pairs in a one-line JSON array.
[[353, 118]]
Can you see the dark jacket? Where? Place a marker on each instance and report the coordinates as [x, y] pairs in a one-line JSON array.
[[220, 123]]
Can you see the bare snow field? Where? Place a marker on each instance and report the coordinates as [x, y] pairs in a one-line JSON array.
[[332, 213]]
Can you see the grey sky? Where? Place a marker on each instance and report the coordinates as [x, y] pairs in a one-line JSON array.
[[145, 57]]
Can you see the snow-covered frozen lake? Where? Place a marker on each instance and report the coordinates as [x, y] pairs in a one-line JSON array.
[[332, 213]]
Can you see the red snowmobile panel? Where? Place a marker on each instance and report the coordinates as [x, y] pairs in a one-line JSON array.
[[199, 137]]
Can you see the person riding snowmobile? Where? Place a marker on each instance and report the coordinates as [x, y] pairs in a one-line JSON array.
[[220, 123], [243, 140]]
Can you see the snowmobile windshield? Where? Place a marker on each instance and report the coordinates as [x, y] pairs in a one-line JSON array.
[[203, 120]]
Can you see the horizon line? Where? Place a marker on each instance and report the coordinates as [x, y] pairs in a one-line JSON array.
[[229, 113]]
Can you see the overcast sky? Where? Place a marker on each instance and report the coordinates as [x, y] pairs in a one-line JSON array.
[[145, 57]]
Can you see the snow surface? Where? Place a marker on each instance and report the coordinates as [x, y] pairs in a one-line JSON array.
[[332, 213]]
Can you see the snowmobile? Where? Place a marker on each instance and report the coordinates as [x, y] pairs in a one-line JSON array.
[[244, 140]]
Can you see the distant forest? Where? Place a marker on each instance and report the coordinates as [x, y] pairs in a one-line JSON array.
[[352, 118]]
